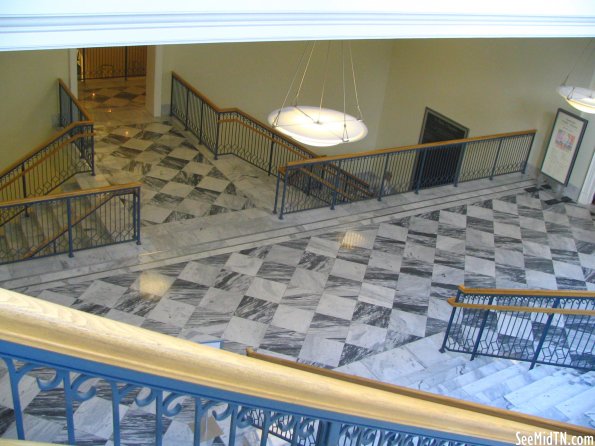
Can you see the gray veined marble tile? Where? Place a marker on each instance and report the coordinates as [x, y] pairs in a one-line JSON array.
[[137, 303], [339, 286], [354, 254], [451, 231], [221, 300], [171, 312], [309, 280], [243, 264], [349, 270], [232, 281], [284, 255], [391, 231], [103, 293], [282, 340], [329, 327], [256, 310], [367, 336], [200, 273], [328, 248], [455, 219], [369, 314], [321, 350], [423, 225], [541, 264], [266, 290], [377, 295], [301, 298], [276, 272], [385, 261], [245, 331], [353, 354], [316, 262], [389, 246], [565, 256], [359, 238]]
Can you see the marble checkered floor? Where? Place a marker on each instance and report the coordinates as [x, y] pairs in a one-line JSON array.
[[346, 298]]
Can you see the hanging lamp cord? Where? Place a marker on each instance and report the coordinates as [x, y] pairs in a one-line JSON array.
[[345, 135], [578, 61], [359, 111], [328, 50]]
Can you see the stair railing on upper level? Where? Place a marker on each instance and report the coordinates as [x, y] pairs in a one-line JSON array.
[[50, 164], [231, 131], [541, 327], [69, 222], [76, 355], [401, 169]]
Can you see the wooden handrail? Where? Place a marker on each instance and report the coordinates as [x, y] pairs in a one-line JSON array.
[[78, 193], [453, 142], [236, 110], [75, 100], [42, 146], [46, 156], [520, 292], [542, 423], [43, 325], [452, 301]]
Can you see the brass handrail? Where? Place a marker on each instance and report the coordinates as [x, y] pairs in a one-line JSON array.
[[544, 423], [453, 302], [454, 142], [47, 326], [78, 193], [520, 292]]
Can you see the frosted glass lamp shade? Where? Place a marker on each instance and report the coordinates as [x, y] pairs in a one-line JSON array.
[[315, 126], [582, 99]]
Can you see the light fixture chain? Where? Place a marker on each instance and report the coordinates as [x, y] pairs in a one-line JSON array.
[[361, 115], [297, 95]]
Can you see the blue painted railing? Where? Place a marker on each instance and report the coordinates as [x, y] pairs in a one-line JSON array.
[[78, 357], [541, 327]]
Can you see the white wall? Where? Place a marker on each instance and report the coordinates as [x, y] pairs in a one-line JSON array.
[[490, 86], [255, 77], [29, 99]]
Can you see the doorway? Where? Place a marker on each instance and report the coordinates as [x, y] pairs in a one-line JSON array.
[[438, 166], [111, 62]]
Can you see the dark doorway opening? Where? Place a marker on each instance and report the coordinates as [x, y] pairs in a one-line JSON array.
[[435, 167], [111, 62]]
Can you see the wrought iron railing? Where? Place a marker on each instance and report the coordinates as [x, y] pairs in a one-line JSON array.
[[392, 171], [542, 327], [234, 132], [77, 357], [112, 62], [65, 154], [69, 222]]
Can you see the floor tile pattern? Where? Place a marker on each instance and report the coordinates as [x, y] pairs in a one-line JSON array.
[[344, 296]]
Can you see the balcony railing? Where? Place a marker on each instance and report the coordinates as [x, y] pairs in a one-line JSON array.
[[77, 356], [541, 327]]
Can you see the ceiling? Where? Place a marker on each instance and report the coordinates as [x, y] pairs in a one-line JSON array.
[[38, 24]]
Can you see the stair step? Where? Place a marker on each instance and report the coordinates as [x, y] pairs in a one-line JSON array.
[[487, 368], [579, 404], [544, 393], [498, 378]]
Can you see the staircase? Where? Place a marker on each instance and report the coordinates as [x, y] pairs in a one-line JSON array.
[[557, 393]]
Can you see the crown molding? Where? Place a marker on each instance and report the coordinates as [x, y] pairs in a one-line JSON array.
[[23, 28]]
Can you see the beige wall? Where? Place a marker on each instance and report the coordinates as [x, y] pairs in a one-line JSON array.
[[488, 85], [29, 95], [255, 77]]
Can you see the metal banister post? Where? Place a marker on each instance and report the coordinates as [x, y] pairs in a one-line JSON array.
[[421, 171], [460, 165], [381, 191], [202, 107], [283, 196], [452, 316], [69, 218], [544, 334], [334, 199], [187, 115], [483, 324], [136, 213], [496, 160], [271, 155], [216, 148]]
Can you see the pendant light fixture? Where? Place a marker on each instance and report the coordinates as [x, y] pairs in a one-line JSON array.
[[316, 125], [582, 99]]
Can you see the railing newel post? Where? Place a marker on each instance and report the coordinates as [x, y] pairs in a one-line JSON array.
[[544, 334], [384, 172], [448, 327], [421, 171], [136, 212], [282, 209], [460, 165], [336, 188], [481, 329], [69, 220], [496, 159]]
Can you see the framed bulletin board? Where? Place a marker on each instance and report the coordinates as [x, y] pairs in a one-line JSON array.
[[563, 146]]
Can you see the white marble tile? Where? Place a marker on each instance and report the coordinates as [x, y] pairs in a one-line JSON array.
[[540, 280], [151, 282], [376, 295], [138, 144], [56, 298], [450, 244], [568, 270], [508, 257], [199, 273], [532, 223], [171, 312], [321, 350], [149, 157], [359, 239], [349, 270], [163, 173], [177, 189], [214, 184], [323, 247], [183, 153], [245, 331], [413, 285], [292, 318], [536, 249], [228, 201], [480, 266], [308, 280], [367, 336], [447, 275], [122, 316], [193, 207], [439, 309], [197, 168], [336, 306], [419, 252], [410, 323], [284, 255], [384, 260], [453, 219], [266, 290], [426, 350], [389, 366], [157, 127], [243, 264], [507, 230], [480, 212], [170, 140], [155, 214], [393, 232], [356, 369], [103, 293], [221, 300]]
